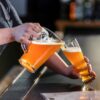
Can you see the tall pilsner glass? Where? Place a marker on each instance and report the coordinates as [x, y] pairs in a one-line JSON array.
[[73, 53]]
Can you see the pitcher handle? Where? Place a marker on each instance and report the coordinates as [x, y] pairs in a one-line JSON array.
[[24, 47]]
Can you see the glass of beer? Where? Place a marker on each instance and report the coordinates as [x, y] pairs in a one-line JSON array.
[[73, 53], [39, 50]]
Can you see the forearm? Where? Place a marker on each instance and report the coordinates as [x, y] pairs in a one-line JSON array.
[[6, 35], [56, 64]]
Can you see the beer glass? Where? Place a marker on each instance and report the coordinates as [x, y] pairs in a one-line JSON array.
[[73, 53], [39, 50]]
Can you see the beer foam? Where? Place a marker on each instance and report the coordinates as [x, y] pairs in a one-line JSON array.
[[47, 42], [73, 49]]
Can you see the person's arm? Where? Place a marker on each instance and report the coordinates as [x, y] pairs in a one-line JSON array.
[[6, 36], [20, 33], [56, 64]]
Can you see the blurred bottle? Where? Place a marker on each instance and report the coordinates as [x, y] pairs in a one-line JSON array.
[[88, 9], [72, 10], [64, 12], [79, 9]]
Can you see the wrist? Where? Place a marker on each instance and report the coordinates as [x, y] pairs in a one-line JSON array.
[[72, 73], [11, 31]]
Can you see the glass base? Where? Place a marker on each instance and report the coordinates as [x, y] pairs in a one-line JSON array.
[[87, 87], [87, 79], [26, 65]]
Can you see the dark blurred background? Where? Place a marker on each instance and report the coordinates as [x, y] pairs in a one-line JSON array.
[[48, 12]]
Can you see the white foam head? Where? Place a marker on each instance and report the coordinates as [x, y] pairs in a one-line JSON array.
[[47, 42], [73, 49]]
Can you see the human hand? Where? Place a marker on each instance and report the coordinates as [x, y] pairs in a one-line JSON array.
[[75, 73], [90, 73], [23, 32]]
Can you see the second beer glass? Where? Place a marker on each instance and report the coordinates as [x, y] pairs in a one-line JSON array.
[[73, 53]]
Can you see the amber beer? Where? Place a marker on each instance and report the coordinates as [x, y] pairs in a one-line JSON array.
[[75, 56], [37, 54]]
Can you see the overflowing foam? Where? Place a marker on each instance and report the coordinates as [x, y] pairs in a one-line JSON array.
[[73, 49]]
